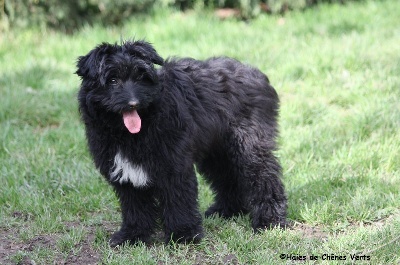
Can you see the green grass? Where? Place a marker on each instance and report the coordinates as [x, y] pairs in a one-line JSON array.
[[337, 71]]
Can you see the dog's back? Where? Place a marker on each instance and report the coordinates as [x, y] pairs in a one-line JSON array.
[[237, 95]]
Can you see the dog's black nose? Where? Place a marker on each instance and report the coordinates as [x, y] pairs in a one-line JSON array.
[[132, 104]]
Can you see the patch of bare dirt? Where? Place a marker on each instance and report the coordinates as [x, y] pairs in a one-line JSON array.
[[230, 259], [309, 231], [11, 245], [7, 245], [86, 255]]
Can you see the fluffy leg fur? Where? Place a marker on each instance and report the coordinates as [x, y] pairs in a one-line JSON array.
[[266, 198], [245, 177], [139, 213], [181, 217], [259, 173], [217, 170]]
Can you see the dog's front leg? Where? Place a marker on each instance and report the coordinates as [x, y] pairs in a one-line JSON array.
[[139, 213], [180, 211]]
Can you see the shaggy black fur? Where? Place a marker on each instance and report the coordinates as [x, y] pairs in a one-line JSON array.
[[217, 114]]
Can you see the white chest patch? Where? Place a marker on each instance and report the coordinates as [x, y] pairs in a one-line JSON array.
[[124, 171]]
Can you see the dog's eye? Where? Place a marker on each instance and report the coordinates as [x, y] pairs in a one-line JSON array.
[[113, 82]]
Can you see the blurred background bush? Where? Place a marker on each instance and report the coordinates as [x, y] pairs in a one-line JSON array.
[[72, 14]]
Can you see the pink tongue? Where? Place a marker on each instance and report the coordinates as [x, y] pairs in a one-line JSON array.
[[132, 121]]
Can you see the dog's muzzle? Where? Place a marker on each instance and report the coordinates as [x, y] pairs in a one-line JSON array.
[[132, 104]]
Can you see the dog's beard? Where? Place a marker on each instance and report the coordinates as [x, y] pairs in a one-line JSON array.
[[114, 109], [130, 115]]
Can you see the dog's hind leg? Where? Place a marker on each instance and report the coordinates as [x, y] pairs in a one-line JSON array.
[[217, 170], [139, 214], [267, 199], [259, 171]]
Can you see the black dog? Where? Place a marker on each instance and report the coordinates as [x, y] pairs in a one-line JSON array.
[[147, 127]]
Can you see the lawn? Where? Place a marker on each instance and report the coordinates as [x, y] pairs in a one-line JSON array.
[[337, 71]]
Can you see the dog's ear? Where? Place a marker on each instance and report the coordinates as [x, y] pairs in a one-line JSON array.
[[90, 65], [143, 50]]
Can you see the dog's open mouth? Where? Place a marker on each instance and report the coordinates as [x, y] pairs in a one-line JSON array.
[[132, 120]]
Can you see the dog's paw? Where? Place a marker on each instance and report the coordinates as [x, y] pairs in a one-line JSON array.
[[259, 226], [269, 215], [117, 239], [126, 237]]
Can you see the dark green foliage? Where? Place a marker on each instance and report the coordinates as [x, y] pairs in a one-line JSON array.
[[70, 15]]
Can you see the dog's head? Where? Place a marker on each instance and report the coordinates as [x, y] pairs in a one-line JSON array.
[[119, 79]]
